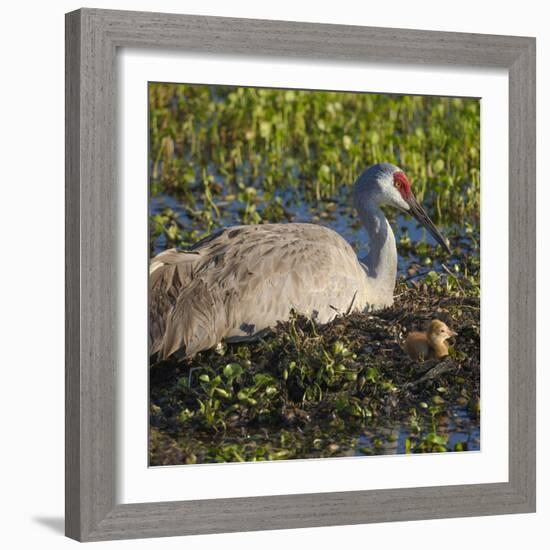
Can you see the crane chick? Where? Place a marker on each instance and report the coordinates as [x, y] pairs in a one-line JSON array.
[[431, 344]]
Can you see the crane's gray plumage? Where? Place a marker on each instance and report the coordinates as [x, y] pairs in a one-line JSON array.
[[242, 280]]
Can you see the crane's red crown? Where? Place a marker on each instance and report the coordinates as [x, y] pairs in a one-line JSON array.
[[402, 184]]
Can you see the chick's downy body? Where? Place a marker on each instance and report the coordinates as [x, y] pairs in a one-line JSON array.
[[431, 344]]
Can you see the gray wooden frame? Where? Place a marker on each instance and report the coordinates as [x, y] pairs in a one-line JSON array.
[[92, 38]]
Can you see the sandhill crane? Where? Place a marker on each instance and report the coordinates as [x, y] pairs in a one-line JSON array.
[[431, 344], [239, 282]]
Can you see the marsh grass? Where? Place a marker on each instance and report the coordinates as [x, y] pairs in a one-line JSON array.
[[212, 145]]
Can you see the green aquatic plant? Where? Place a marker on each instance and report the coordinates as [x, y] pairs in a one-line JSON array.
[[210, 144]]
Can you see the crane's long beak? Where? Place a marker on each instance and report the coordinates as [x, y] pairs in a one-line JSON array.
[[416, 210]]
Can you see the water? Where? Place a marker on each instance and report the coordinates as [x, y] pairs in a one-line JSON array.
[[340, 217], [460, 428]]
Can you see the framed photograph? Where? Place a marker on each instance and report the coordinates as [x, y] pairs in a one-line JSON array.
[[300, 275]]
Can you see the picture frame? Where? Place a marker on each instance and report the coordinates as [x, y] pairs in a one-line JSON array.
[[92, 39]]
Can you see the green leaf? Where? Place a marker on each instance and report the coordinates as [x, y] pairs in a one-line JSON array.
[[262, 379], [439, 165], [232, 370], [371, 375]]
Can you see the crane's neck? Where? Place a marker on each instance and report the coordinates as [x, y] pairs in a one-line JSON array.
[[381, 259]]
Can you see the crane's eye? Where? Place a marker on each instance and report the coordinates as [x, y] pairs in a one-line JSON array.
[[397, 184]]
